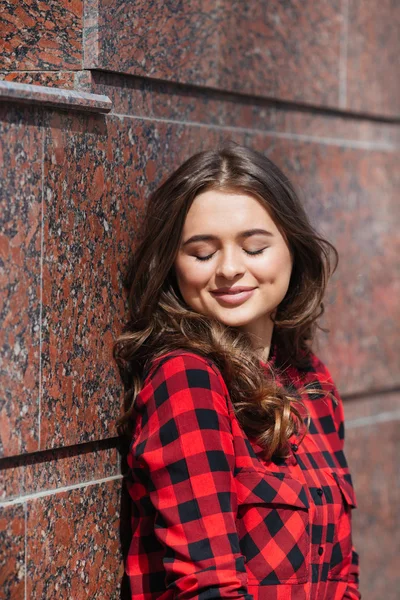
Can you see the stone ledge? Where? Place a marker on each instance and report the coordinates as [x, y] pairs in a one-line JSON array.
[[55, 97]]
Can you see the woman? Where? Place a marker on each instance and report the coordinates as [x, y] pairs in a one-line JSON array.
[[239, 484]]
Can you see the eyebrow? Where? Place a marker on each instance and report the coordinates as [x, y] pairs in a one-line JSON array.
[[243, 234]]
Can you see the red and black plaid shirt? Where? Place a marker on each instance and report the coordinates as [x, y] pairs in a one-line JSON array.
[[211, 518]]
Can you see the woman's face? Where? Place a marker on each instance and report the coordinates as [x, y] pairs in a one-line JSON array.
[[233, 262]]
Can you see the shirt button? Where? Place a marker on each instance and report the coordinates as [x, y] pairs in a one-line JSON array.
[[295, 447], [320, 550], [319, 491]]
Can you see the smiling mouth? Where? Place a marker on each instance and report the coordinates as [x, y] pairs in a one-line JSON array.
[[232, 291], [234, 297]]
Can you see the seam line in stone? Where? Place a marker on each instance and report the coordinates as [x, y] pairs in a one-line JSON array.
[[383, 417], [296, 136], [25, 547], [67, 488], [41, 290]]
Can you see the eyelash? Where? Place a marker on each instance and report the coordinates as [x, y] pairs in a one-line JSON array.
[[204, 258]]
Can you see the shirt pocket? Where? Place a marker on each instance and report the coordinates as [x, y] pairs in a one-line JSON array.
[[342, 541], [273, 527]]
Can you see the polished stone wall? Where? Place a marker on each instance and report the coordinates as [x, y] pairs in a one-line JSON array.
[[131, 90]]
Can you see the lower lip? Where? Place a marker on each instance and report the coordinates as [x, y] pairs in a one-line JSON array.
[[234, 298]]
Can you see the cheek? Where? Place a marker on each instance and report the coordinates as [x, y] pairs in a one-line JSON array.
[[190, 276], [284, 264], [278, 267]]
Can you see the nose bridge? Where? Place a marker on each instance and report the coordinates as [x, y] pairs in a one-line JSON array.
[[230, 260]]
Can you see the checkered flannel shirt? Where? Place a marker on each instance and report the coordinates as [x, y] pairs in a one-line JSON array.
[[211, 518]]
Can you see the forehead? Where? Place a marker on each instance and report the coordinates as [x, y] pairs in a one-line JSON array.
[[217, 212]]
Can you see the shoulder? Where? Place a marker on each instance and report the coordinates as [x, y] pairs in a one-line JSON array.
[[185, 369], [317, 380], [320, 368], [325, 380], [181, 381], [316, 370]]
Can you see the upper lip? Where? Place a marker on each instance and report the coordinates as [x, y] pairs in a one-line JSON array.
[[232, 290]]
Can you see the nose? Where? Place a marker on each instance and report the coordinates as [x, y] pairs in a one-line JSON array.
[[230, 264]]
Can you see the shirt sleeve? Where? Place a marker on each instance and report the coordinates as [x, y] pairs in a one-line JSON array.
[[352, 591], [185, 445]]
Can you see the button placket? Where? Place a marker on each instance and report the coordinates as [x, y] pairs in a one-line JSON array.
[[319, 504], [294, 448]]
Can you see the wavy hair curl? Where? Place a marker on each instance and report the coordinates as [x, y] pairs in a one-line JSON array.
[[161, 321]]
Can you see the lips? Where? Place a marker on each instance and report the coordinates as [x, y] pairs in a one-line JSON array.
[[233, 296], [231, 291]]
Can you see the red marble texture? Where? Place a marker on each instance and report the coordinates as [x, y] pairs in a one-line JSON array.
[[11, 481], [163, 100], [372, 448], [285, 50], [83, 81], [373, 48], [331, 53], [245, 47], [158, 39], [59, 79], [73, 544], [12, 552], [288, 51], [359, 213], [54, 469], [81, 309], [372, 409], [41, 36], [298, 52], [20, 256]]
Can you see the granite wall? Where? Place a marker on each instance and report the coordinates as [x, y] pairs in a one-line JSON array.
[[123, 91]]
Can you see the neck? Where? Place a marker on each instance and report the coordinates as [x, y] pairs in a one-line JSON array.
[[260, 333]]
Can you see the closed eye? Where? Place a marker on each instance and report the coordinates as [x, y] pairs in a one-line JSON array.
[[204, 258], [254, 253]]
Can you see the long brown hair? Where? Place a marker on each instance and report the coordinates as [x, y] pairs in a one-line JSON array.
[[161, 321]]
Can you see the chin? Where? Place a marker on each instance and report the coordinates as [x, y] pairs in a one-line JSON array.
[[235, 322]]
